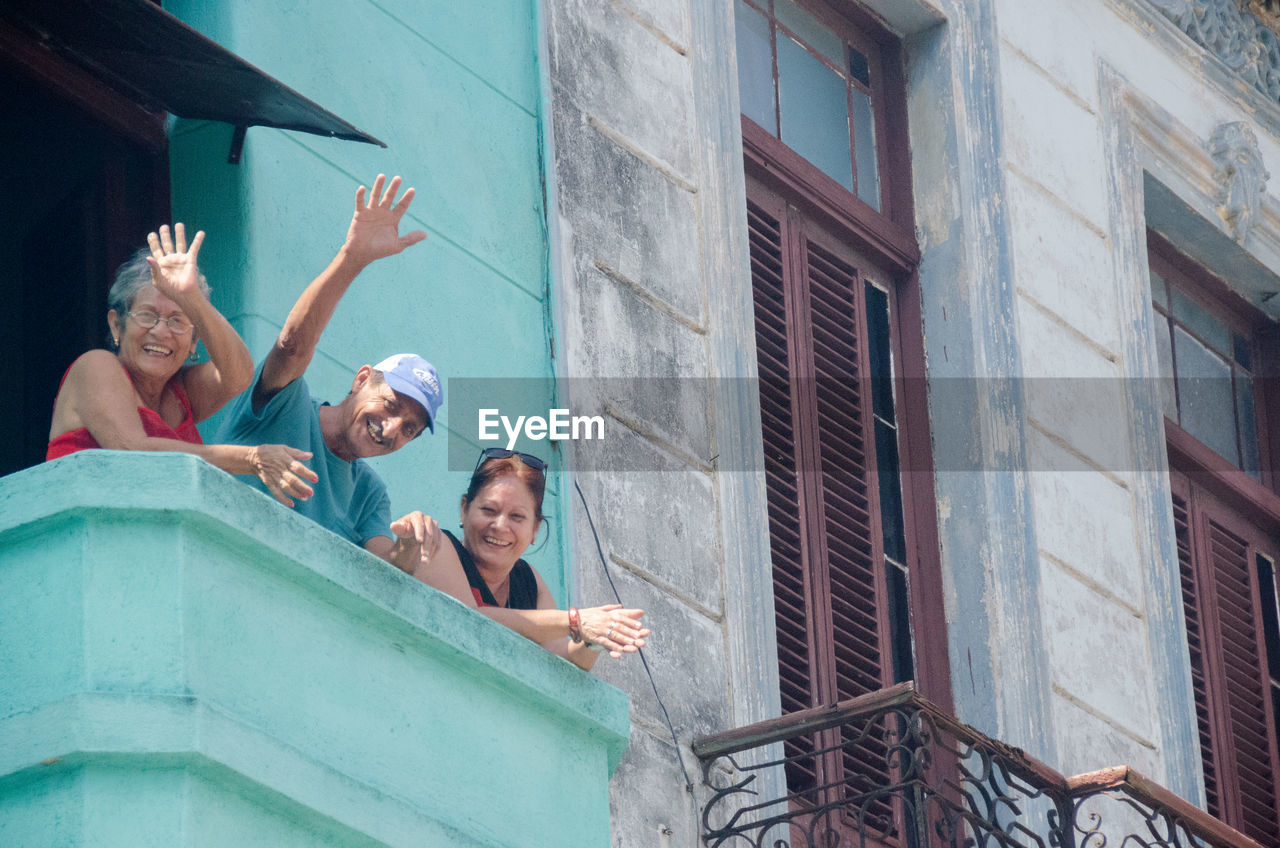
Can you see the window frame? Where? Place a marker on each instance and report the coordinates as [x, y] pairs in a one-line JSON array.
[[887, 240], [1215, 296], [877, 89], [892, 229], [1214, 492]]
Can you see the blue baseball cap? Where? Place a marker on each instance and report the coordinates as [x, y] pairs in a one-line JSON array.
[[415, 377]]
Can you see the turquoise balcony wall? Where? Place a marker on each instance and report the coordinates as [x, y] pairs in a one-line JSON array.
[[184, 662], [454, 90]]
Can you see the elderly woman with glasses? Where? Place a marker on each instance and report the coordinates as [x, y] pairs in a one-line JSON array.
[[148, 394], [501, 513]]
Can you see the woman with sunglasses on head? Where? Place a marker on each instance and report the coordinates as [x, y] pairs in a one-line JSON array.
[[500, 516], [147, 395]]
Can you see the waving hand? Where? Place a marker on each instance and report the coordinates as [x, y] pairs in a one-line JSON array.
[[173, 266], [375, 227], [374, 234]]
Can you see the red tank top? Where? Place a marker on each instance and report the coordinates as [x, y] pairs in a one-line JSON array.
[[81, 439]]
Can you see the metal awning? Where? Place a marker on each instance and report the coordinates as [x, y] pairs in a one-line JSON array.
[[151, 57]]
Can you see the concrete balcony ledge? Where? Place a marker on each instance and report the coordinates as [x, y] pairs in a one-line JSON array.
[[185, 662]]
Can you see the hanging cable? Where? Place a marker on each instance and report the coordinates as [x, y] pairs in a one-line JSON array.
[[688, 784]]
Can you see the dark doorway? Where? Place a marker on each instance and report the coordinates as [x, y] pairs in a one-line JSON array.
[[78, 194]]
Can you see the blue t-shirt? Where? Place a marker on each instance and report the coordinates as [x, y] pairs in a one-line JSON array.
[[350, 499]]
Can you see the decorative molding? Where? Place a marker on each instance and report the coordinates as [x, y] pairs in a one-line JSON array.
[[1164, 174], [1241, 176], [1142, 138], [1181, 165], [1267, 11], [1233, 31]]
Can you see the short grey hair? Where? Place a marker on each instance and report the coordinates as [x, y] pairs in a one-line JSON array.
[[131, 277]]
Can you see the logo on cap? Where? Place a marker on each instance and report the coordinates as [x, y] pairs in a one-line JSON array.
[[413, 376], [427, 379]]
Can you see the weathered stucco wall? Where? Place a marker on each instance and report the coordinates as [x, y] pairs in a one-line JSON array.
[[653, 284], [1033, 125], [1093, 95], [1055, 182]]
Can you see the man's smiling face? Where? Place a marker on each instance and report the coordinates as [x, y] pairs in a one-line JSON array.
[[379, 420]]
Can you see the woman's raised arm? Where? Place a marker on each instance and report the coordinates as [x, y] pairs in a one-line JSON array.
[[176, 274]]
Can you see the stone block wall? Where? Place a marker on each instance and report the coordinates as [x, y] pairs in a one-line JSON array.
[[656, 332]]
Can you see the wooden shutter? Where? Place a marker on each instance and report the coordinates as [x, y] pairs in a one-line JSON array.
[[850, 526], [1218, 553], [824, 517], [790, 595], [851, 578], [1195, 643], [1243, 668]]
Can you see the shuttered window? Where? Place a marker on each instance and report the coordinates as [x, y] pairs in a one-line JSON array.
[[1229, 596], [833, 259], [839, 591], [1213, 349]]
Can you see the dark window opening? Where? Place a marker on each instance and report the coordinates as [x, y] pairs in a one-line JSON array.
[[78, 195]]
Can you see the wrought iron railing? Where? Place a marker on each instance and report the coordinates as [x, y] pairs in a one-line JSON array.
[[892, 769]]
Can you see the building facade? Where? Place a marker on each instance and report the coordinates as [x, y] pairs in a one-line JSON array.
[[933, 341], [1044, 181]]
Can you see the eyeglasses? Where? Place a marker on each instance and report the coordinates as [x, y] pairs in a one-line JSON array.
[[148, 320], [503, 453]]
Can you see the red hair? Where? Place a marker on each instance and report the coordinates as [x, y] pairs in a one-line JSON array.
[[495, 469]]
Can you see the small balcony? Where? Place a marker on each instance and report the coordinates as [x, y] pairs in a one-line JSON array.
[[184, 662], [892, 769]]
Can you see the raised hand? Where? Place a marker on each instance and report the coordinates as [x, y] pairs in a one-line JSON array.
[[375, 226], [280, 469], [614, 629], [174, 271]]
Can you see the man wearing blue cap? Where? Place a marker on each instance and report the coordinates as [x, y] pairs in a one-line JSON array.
[[389, 405]]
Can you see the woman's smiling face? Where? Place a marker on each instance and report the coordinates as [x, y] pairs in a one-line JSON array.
[[157, 352], [500, 524]]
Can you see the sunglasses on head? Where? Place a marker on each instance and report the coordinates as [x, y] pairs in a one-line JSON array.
[[504, 453]]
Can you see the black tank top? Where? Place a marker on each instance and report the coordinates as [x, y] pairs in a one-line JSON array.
[[524, 585]]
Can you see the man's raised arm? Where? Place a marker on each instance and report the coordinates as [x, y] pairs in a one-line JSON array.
[[374, 234]]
